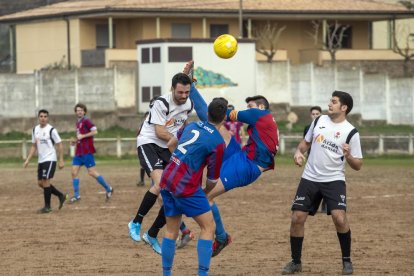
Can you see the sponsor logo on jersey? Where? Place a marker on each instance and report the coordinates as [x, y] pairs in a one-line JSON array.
[[337, 135]]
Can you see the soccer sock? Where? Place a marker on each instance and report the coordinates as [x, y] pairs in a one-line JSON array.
[[200, 104], [183, 227], [158, 223], [168, 251], [103, 183], [204, 251], [147, 202], [345, 242], [296, 248], [221, 234], [55, 191], [142, 174], [75, 184], [47, 193]]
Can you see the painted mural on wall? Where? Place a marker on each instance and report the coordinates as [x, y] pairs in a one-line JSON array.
[[210, 79]]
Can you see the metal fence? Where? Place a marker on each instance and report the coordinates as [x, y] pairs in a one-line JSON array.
[[119, 147]]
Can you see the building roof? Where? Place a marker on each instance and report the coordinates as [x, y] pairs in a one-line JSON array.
[[252, 8]]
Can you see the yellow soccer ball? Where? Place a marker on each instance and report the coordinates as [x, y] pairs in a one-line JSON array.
[[225, 46]]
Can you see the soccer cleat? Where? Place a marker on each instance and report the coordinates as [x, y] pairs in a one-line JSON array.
[[347, 268], [140, 183], [62, 200], [186, 237], [45, 210], [74, 199], [291, 268], [153, 242], [218, 245], [109, 194], [134, 231]]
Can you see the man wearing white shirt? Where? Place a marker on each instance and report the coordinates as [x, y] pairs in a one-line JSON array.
[[168, 114], [44, 138], [334, 142]]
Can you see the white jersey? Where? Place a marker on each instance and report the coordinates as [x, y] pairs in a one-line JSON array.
[[42, 137], [164, 112], [326, 161]]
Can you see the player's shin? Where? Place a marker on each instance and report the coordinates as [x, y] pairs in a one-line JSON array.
[[221, 234], [168, 251], [204, 251]]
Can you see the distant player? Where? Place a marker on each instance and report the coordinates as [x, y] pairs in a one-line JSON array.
[[85, 149], [44, 138], [334, 142], [236, 128], [200, 145]]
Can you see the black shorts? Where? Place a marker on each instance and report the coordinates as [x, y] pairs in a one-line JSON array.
[[46, 170], [310, 194], [153, 157]]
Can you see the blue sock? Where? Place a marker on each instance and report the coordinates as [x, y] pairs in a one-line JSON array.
[[204, 251], [221, 234], [200, 104], [168, 251], [183, 227], [75, 184], [102, 181]]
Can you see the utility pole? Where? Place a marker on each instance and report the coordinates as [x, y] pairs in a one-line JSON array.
[[240, 18]]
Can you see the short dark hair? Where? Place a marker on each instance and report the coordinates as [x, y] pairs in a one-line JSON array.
[[81, 105], [43, 111], [259, 99], [230, 106], [180, 78], [316, 107], [217, 110], [345, 99]]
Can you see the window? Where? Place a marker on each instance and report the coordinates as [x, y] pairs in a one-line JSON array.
[[181, 30], [346, 42], [146, 93], [180, 54], [156, 55], [156, 91], [102, 36], [218, 29], [145, 55]]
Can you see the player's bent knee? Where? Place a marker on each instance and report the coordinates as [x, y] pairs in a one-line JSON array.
[[298, 218]]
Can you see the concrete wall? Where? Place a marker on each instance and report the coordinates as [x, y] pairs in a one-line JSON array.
[[59, 90], [288, 87]]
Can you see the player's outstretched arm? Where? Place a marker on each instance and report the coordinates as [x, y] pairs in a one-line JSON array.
[[200, 104]]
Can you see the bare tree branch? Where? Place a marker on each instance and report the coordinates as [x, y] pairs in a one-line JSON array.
[[268, 37]]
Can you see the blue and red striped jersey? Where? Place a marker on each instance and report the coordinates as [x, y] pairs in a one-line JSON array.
[[85, 146], [263, 142], [200, 146]]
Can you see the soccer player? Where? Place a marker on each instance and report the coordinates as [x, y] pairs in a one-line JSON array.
[[334, 142], [167, 115], [85, 130], [44, 138], [200, 145], [236, 128], [315, 111], [240, 167]]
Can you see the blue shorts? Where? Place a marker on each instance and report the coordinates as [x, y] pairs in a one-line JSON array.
[[192, 206], [86, 160], [232, 148], [238, 171]]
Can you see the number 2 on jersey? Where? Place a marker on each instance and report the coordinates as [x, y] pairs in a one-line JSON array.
[[192, 140]]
